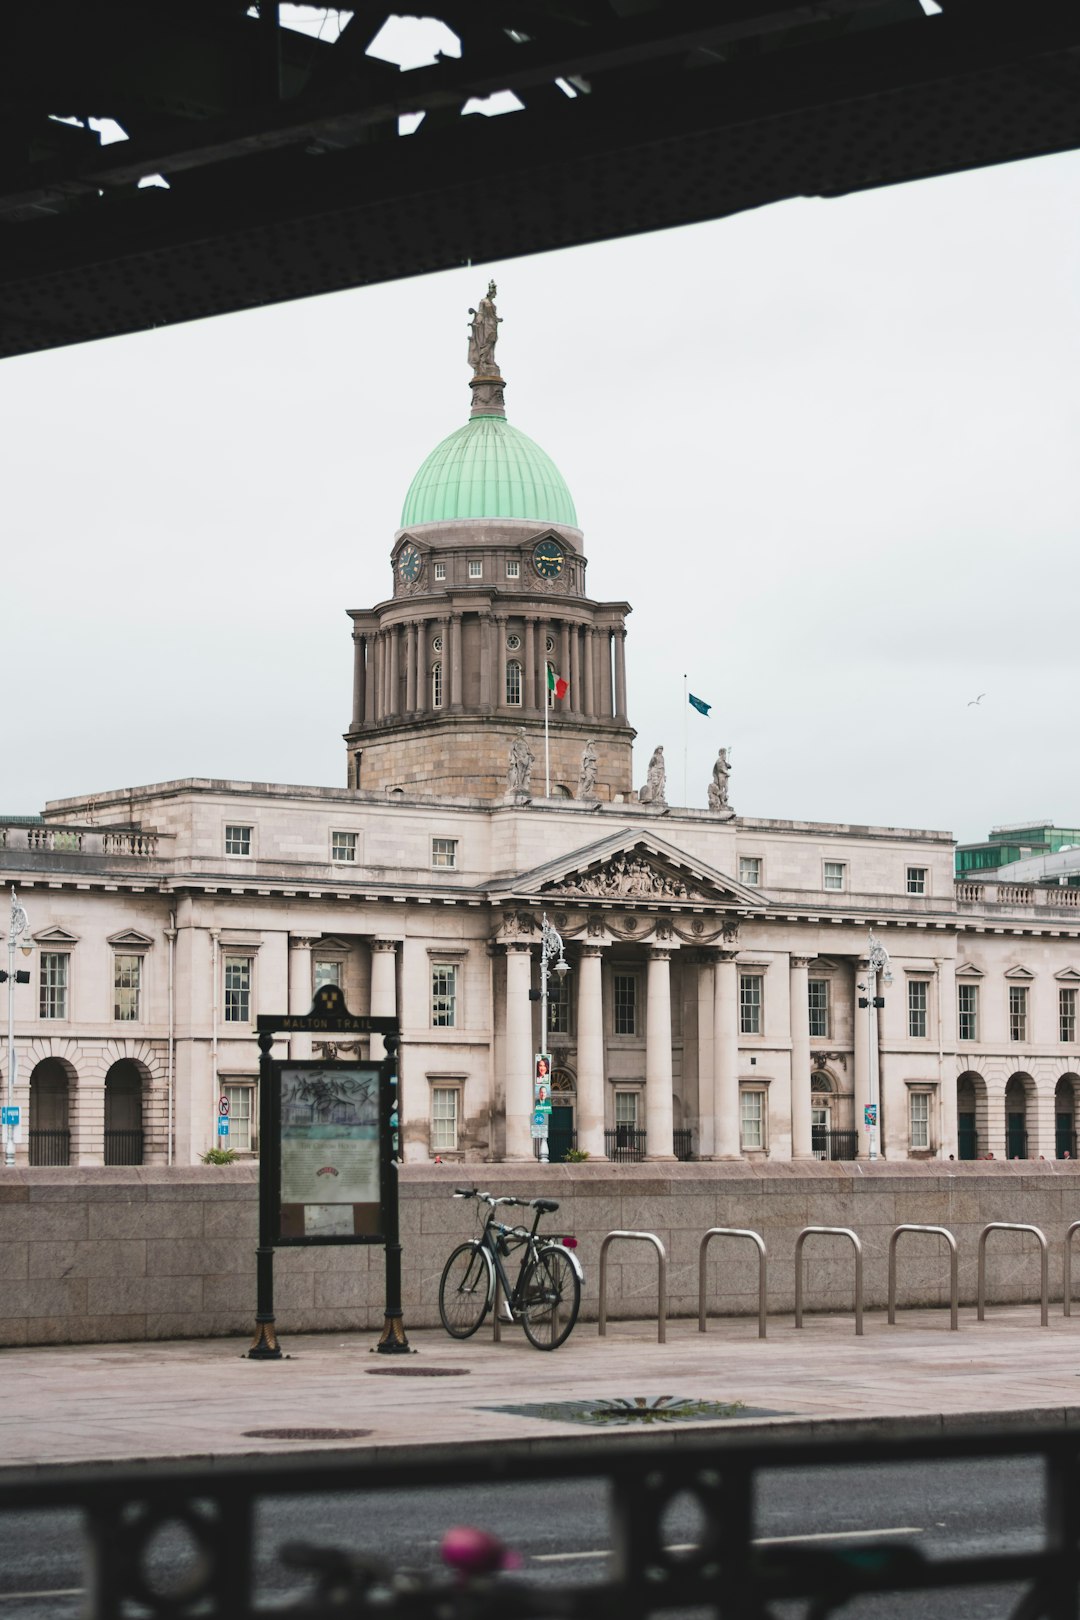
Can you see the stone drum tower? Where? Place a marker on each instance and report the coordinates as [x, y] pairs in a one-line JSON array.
[[489, 607]]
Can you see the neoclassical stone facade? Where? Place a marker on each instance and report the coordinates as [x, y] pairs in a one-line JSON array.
[[717, 1002]]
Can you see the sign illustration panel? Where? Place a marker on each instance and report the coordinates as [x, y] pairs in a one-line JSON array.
[[330, 1183]]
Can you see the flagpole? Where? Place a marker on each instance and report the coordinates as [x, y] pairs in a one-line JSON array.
[[685, 706]]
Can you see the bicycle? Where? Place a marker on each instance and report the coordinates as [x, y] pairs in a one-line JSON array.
[[546, 1296]]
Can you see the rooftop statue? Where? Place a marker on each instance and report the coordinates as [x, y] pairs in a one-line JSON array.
[[483, 335], [718, 787], [520, 764], [655, 789]]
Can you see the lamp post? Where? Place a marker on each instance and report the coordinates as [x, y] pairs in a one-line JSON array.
[[18, 938], [551, 945], [879, 964]]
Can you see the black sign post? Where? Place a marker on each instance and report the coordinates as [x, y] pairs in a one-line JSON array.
[[342, 1092]]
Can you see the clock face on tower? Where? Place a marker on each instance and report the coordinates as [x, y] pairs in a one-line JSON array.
[[548, 559], [409, 564]]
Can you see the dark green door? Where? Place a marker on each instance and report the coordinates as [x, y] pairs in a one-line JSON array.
[[1064, 1134], [1015, 1137], [560, 1133], [967, 1142]]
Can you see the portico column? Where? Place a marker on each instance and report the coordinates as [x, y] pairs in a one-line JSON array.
[[410, 669], [519, 1057], [726, 1134], [620, 673], [358, 681], [659, 1123], [706, 1061], [861, 1036], [590, 1055], [801, 1143], [300, 990], [383, 991]]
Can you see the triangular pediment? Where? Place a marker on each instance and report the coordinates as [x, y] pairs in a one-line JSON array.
[[1019, 972], [630, 868], [56, 936], [968, 970], [1068, 975], [132, 938]]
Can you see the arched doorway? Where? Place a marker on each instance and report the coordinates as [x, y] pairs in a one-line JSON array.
[[826, 1140], [124, 1113], [562, 1129], [970, 1114], [1017, 1090], [1065, 1116], [50, 1113]]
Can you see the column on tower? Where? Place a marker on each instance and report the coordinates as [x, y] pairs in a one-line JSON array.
[[423, 639], [659, 1112], [394, 704], [370, 682], [443, 658], [500, 632], [620, 673], [530, 661], [801, 1141], [570, 701], [726, 1133], [590, 1054], [577, 697], [410, 668], [519, 1057], [605, 674], [359, 649], [455, 660], [590, 671]]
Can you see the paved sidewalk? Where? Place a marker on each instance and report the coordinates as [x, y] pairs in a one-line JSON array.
[[196, 1398]]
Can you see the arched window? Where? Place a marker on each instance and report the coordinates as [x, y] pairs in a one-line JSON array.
[[513, 682], [436, 686]]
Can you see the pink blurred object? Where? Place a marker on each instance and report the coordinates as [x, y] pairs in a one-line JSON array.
[[475, 1552]]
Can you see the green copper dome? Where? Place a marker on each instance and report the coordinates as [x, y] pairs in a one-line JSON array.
[[487, 469]]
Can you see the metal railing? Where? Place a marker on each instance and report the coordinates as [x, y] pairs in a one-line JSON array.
[[49, 1149], [682, 1144], [1012, 1226], [759, 1243], [123, 1147], [625, 1144], [829, 1231], [954, 1269], [1066, 1283], [661, 1279], [834, 1144]]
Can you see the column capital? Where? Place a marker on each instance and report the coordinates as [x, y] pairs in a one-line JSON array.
[[801, 961], [592, 950], [723, 955], [302, 942], [383, 944], [517, 946], [660, 953]]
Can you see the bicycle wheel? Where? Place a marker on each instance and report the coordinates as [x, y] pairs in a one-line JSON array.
[[465, 1290], [551, 1298]]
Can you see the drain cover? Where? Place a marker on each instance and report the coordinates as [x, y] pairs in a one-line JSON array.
[[419, 1372], [638, 1410], [305, 1434]]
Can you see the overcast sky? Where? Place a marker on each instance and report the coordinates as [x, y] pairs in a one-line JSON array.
[[827, 450]]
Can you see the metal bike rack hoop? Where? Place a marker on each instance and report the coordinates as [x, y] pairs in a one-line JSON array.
[[661, 1280], [829, 1231], [1067, 1278], [759, 1243], [954, 1297], [1044, 1263]]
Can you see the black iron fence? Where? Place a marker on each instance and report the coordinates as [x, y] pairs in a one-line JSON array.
[[625, 1144], [684, 1147], [728, 1569], [834, 1144], [123, 1147], [50, 1148]]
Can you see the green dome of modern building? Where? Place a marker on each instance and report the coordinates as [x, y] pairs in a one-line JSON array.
[[488, 469]]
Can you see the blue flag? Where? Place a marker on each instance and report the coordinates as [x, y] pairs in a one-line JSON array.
[[699, 704]]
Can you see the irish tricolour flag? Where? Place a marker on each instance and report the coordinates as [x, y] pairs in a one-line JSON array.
[[556, 683]]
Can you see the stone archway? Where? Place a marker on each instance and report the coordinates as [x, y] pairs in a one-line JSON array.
[[971, 1116], [1065, 1094], [51, 1081], [1019, 1097], [828, 1140], [125, 1081], [562, 1124]]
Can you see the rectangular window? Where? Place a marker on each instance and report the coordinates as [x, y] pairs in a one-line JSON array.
[[916, 1007], [818, 990], [238, 989], [1067, 1016], [750, 870], [967, 1012], [513, 568], [626, 1109], [752, 1119], [343, 846], [917, 879], [625, 988], [444, 852], [444, 1119], [750, 986], [127, 983], [1018, 1012], [53, 1001], [835, 873], [920, 1119], [444, 995], [513, 683], [242, 1137], [440, 570], [238, 840], [476, 568], [558, 1005], [328, 970]]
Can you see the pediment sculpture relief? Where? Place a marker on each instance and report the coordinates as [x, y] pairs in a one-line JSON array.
[[627, 877]]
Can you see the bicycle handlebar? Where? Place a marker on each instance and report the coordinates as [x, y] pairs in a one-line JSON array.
[[486, 1198]]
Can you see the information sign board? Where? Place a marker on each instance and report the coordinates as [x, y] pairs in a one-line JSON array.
[[223, 1127], [329, 1154]]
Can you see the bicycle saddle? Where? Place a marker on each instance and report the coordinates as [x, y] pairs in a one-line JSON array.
[[546, 1206]]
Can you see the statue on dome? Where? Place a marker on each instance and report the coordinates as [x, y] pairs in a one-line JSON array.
[[483, 335], [718, 787], [586, 788], [655, 789], [519, 769]]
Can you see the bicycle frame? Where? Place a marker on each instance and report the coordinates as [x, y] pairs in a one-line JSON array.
[[494, 1234]]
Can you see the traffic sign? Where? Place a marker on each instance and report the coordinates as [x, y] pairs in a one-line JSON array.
[[10, 1116], [223, 1106], [223, 1127]]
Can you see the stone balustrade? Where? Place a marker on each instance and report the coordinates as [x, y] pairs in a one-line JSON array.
[[38, 838]]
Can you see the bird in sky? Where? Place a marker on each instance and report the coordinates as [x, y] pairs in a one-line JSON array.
[[973, 703]]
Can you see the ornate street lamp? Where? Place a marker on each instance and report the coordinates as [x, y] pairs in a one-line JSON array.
[[551, 946], [878, 966]]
